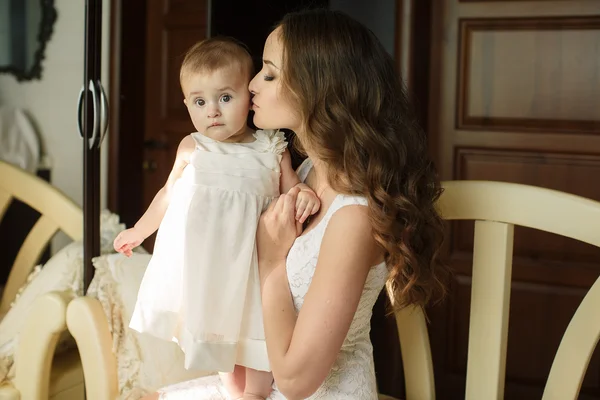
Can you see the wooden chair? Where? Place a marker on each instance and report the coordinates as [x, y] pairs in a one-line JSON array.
[[40, 375], [496, 208]]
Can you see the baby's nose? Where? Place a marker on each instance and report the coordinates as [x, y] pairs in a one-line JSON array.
[[213, 112]]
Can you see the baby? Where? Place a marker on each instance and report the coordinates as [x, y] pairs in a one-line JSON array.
[[201, 288]]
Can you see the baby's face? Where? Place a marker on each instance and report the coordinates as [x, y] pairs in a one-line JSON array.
[[218, 103]]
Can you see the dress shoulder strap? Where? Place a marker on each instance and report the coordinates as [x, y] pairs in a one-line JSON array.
[[304, 169], [340, 202]]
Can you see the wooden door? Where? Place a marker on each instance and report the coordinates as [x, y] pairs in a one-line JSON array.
[[515, 96], [172, 27]]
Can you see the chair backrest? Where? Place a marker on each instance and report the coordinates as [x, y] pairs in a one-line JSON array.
[[57, 212], [496, 207]]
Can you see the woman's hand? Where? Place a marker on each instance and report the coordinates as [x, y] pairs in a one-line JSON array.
[[277, 230]]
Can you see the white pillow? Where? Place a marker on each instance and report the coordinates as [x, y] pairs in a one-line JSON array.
[[63, 272], [144, 363]]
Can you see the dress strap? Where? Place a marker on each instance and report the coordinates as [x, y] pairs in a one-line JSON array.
[[304, 169], [341, 201]]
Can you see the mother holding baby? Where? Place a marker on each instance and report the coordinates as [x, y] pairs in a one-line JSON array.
[[327, 78]]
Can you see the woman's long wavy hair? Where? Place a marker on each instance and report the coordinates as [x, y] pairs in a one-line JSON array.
[[359, 122]]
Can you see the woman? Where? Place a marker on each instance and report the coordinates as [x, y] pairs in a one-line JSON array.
[[327, 78]]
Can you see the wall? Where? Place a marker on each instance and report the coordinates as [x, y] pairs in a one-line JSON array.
[[4, 38], [52, 101], [377, 15], [34, 16]]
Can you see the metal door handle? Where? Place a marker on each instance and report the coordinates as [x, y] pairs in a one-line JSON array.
[[104, 113], [96, 127]]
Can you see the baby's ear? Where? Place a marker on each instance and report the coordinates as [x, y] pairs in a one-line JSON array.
[[185, 101]]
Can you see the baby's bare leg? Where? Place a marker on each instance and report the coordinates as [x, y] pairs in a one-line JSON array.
[[258, 384], [234, 382]]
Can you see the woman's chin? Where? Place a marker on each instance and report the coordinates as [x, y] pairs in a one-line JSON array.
[[260, 124], [266, 125]]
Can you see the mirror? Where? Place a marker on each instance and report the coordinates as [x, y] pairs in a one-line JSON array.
[[25, 28]]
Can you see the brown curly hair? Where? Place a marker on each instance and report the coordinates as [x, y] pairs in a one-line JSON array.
[[359, 122]]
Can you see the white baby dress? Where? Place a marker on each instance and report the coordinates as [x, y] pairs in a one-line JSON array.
[[201, 288]]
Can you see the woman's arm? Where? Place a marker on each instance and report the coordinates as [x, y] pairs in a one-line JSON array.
[[303, 348], [150, 221]]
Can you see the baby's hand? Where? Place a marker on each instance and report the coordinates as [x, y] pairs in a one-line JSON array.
[[127, 240], [307, 204]]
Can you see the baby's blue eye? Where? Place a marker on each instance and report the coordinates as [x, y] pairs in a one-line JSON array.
[[226, 98], [199, 102]]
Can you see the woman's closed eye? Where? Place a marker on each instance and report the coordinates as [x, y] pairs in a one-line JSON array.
[[268, 78]]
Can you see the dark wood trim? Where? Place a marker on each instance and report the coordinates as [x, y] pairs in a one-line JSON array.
[[114, 110], [127, 94], [412, 44], [403, 29]]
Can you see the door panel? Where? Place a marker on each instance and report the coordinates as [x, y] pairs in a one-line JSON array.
[[515, 97], [172, 28]]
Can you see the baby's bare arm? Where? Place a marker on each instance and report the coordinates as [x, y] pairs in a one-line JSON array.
[[150, 221], [307, 203], [289, 178]]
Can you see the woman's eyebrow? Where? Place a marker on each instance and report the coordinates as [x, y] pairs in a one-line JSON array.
[[270, 63]]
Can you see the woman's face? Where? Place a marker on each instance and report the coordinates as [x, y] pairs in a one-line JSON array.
[[272, 109]]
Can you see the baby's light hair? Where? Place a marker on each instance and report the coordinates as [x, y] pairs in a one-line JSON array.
[[215, 53]]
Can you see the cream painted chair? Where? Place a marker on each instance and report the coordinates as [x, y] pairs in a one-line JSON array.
[[496, 208], [39, 375]]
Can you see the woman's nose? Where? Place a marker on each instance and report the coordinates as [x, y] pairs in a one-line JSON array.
[[252, 86]]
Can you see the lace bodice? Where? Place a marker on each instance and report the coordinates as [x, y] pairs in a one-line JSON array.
[[352, 376]]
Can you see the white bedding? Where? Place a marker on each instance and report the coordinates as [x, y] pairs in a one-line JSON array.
[[144, 363], [63, 273]]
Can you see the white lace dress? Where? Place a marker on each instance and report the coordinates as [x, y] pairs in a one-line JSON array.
[[352, 376]]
